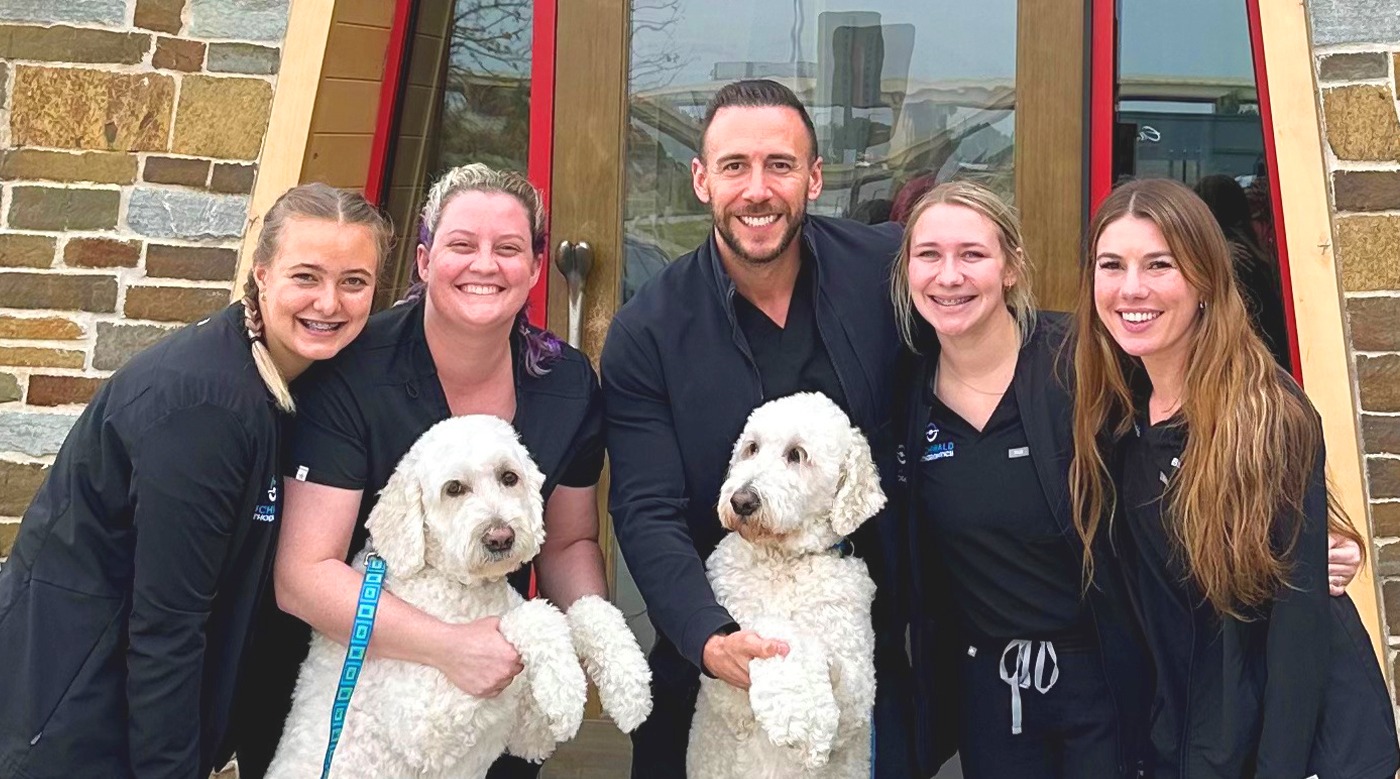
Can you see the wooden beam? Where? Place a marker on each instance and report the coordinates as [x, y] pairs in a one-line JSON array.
[[1317, 292], [1049, 156], [289, 124]]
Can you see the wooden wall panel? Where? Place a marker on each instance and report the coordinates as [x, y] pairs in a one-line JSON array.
[[347, 96], [1317, 293], [1051, 103], [338, 160]]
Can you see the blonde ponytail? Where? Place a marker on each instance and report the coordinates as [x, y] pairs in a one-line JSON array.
[[267, 369]]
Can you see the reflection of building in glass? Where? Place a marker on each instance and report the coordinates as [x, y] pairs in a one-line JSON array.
[[1186, 127], [950, 128]]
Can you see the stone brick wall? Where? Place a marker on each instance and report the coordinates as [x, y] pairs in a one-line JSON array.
[[1357, 53], [130, 132]]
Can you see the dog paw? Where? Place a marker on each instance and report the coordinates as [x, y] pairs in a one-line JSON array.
[[795, 706], [554, 679], [614, 661]]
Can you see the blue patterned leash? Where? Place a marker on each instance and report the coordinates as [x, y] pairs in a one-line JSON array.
[[360, 632]]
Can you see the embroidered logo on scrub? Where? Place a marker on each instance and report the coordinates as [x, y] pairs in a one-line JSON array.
[[267, 512], [935, 451]]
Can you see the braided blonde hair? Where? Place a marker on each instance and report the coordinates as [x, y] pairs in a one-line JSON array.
[[312, 201]]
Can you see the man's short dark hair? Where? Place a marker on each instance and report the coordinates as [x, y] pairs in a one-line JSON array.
[[756, 93]]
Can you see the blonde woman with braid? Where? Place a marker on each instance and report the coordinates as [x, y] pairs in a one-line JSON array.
[[1204, 464], [127, 601]]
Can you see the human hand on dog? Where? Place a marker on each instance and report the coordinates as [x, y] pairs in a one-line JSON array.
[[728, 656], [478, 659]]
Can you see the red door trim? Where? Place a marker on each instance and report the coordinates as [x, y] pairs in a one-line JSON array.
[[541, 150], [388, 102], [1261, 80], [1103, 69]]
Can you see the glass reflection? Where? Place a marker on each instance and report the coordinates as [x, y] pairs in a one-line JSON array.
[[466, 99], [904, 93], [1188, 109]]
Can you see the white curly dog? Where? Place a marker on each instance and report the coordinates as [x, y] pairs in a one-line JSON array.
[[462, 510], [800, 480]]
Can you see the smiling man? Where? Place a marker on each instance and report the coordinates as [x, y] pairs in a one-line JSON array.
[[776, 301]]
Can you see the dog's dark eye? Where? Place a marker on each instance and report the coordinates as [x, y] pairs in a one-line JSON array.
[[751, 449], [454, 489], [796, 455], [509, 478]]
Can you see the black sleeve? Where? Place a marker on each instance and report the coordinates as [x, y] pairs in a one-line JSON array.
[[190, 477], [648, 498], [586, 451], [1298, 650], [327, 437]]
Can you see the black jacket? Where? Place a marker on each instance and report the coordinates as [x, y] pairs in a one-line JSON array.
[[1043, 394], [678, 385], [126, 603], [1297, 686]]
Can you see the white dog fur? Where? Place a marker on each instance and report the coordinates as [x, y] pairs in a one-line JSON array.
[[465, 478], [806, 715]]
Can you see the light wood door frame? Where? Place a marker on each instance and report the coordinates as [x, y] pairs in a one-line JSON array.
[[587, 179], [1051, 162]]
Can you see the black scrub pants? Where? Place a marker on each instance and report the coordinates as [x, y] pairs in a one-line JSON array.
[[1068, 726]]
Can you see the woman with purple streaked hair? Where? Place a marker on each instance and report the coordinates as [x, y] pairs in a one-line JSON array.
[[459, 344]]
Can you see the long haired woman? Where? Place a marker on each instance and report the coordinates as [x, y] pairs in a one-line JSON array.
[[1204, 463]]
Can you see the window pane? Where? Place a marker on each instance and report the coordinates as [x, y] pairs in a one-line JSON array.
[[903, 93], [1188, 109], [466, 99]]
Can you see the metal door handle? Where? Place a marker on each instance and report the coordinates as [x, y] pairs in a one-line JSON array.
[[574, 261]]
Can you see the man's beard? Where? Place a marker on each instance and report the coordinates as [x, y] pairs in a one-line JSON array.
[[731, 240]]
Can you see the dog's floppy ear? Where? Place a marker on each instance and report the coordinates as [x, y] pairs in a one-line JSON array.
[[858, 493], [396, 523]]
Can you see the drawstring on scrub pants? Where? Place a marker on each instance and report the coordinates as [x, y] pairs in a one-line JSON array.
[[1020, 677]]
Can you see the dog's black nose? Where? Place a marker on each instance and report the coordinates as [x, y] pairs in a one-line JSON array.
[[745, 502], [499, 539]]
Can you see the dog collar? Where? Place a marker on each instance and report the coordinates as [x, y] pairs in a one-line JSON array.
[[843, 548]]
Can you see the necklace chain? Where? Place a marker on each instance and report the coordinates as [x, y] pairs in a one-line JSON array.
[[954, 375]]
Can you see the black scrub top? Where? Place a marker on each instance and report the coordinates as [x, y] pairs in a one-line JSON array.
[[1012, 574], [129, 596], [1172, 606], [791, 358], [359, 413]]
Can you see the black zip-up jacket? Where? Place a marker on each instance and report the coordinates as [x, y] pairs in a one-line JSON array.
[[1299, 688], [1043, 393], [127, 600], [678, 385]]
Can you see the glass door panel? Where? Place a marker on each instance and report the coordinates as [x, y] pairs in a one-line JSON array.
[[465, 98], [903, 93], [1188, 108]]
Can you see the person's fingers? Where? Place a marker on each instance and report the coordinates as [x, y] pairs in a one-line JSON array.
[[1337, 581], [1344, 555], [755, 647]]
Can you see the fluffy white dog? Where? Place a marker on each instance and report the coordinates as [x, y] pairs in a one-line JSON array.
[[800, 480], [462, 510]]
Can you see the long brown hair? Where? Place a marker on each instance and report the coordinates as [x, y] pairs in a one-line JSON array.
[[310, 201], [1252, 441]]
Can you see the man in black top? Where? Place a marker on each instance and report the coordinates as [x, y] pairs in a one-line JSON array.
[[775, 302]]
